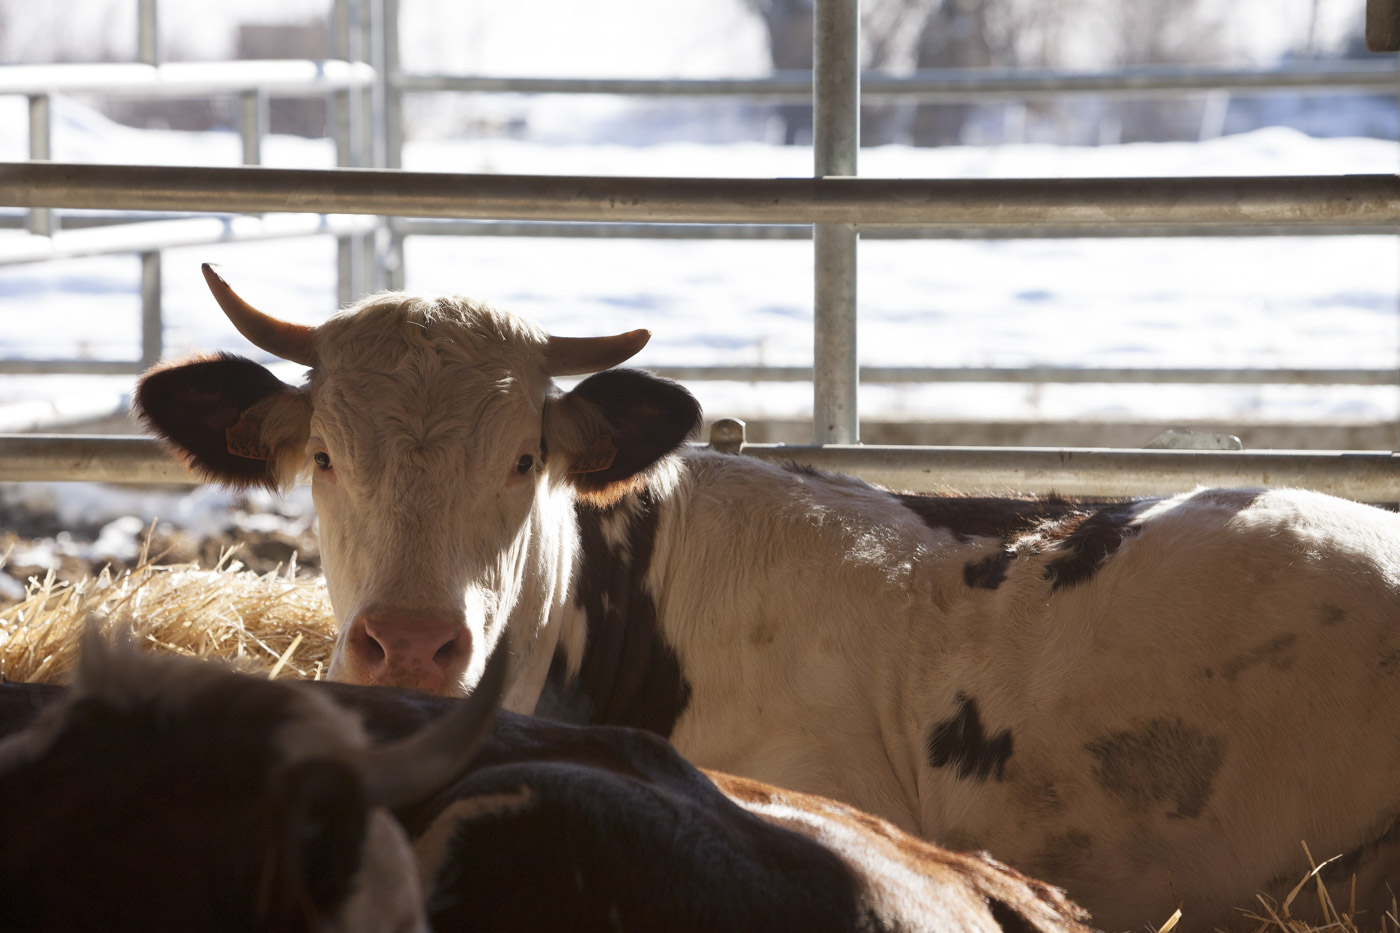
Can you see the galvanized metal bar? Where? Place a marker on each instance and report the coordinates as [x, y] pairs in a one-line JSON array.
[[945, 84], [252, 124], [147, 32], [835, 145], [278, 78], [41, 219], [1060, 375], [1013, 202], [414, 226], [341, 107], [388, 66], [1369, 476], [187, 231], [12, 367], [1363, 475], [152, 324]]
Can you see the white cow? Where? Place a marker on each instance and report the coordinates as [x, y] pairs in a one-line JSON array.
[[1148, 703]]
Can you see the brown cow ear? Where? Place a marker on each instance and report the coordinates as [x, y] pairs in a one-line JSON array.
[[228, 417], [615, 425]]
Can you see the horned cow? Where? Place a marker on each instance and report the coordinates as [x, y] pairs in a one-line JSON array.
[[1144, 702], [168, 794]]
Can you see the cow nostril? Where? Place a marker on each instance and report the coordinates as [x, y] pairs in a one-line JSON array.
[[372, 650], [443, 656]]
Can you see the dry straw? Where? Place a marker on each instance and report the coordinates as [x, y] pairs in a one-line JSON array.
[[261, 623], [278, 626]]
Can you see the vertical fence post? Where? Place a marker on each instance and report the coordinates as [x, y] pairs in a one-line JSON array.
[[391, 114], [152, 324], [41, 219], [836, 140], [147, 36], [252, 124]]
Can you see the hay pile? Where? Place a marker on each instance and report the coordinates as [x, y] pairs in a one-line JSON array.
[[271, 623], [275, 625]]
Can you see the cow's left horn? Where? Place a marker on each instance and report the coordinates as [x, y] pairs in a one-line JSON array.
[[411, 769], [288, 341], [574, 356]]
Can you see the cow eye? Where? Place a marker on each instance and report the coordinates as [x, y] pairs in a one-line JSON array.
[[524, 464], [323, 459]]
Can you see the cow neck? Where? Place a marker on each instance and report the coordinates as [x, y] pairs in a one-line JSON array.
[[629, 675]]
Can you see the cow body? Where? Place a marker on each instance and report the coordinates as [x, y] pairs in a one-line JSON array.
[[550, 828], [1102, 694]]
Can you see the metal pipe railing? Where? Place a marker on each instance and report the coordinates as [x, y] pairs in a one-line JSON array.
[[417, 226], [189, 231], [835, 147], [947, 84], [1363, 475], [278, 78], [1090, 203], [1060, 375]]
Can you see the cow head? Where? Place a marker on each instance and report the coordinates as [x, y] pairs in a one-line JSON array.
[[166, 793], [443, 462]]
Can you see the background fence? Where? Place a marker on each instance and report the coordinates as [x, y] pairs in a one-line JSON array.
[[372, 214]]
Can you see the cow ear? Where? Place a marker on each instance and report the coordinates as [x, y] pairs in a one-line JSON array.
[[322, 822], [605, 433], [229, 418]]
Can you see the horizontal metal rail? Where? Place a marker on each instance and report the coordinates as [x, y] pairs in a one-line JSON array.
[[948, 84], [888, 375], [416, 226], [281, 78], [1363, 475], [1366, 476], [153, 235], [1011, 202]]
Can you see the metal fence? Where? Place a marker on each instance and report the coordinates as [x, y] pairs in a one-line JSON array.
[[371, 212]]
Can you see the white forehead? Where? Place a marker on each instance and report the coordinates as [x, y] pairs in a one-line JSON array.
[[426, 372]]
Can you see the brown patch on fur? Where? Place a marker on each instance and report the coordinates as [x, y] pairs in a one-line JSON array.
[[1160, 761]]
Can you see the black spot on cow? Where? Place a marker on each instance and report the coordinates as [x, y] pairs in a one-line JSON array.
[[1331, 615], [1004, 517], [1088, 541], [1162, 761], [1273, 652], [962, 742], [630, 675], [989, 572]]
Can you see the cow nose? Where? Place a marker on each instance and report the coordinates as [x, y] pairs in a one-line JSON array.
[[422, 650]]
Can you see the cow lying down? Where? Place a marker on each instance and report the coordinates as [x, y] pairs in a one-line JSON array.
[[1148, 703], [168, 794]]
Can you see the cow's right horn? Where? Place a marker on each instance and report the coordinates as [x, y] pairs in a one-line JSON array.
[[574, 356], [411, 769], [288, 341]]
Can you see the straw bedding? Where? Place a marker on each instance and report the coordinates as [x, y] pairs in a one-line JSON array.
[[277, 625]]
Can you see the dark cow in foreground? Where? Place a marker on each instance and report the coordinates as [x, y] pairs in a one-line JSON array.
[[167, 794], [1149, 703]]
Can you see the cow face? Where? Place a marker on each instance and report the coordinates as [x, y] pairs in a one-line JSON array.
[[443, 461]]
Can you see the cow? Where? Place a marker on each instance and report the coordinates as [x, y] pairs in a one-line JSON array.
[[164, 793], [1146, 702]]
